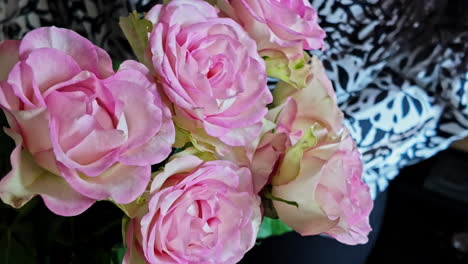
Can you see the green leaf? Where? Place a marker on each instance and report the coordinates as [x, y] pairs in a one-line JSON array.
[[272, 227], [136, 31], [118, 253], [116, 65]]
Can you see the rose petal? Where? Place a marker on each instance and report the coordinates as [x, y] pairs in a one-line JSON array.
[[34, 128], [8, 99], [27, 179], [24, 86], [308, 219], [153, 151], [176, 166], [121, 183], [134, 253], [143, 117], [94, 153], [104, 63], [50, 67], [242, 136], [82, 50]]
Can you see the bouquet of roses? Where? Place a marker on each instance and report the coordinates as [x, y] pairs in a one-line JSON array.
[[189, 142]]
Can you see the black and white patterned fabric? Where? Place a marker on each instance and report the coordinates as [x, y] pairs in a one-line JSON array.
[[401, 105]]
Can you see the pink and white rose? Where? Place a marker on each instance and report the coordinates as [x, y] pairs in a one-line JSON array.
[[329, 190], [317, 164], [198, 212], [289, 26], [296, 112], [210, 69], [83, 132]]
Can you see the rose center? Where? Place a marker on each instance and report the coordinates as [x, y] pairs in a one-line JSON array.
[[214, 69], [202, 216]]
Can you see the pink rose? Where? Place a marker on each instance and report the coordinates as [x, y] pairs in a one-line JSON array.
[[269, 153], [286, 25], [83, 132], [331, 195], [316, 163], [198, 212], [210, 69], [296, 111]]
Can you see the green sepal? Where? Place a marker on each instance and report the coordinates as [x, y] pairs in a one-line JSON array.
[[294, 72], [118, 254], [136, 31], [291, 164], [269, 209], [182, 138], [270, 196]]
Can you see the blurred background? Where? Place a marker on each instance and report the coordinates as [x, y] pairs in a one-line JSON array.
[[426, 219]]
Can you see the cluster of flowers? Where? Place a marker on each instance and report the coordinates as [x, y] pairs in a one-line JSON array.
[[228, 151]]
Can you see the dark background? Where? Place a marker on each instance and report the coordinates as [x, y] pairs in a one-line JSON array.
[[422, 218], [427, 207]]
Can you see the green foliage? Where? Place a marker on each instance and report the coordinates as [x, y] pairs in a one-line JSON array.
[[272, 227], [136, 31], [116, 65], [118, 253]]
